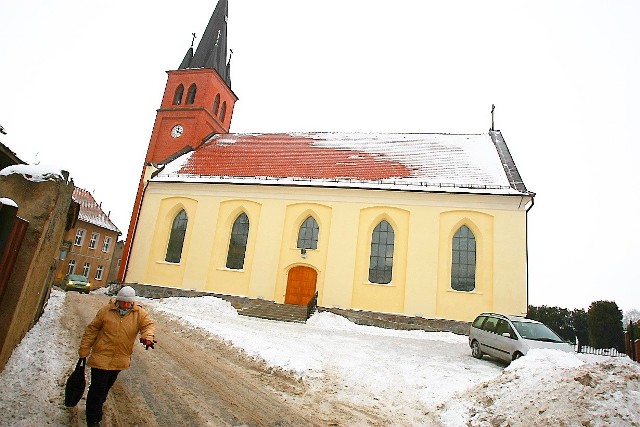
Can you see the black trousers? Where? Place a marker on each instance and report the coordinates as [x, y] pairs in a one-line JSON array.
[[101, 382]]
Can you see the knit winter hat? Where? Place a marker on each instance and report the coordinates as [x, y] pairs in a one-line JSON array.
[[127, 294]]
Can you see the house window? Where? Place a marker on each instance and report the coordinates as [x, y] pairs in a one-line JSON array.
[[177, 98], [79, 237], [238, 242], [381, 258], [92, 241], [86, 268], [176, 238], [72, 266], [463, 262], [308, 234], [223, 111], [191, 96], [99, 271], [216, 105], [106, 244]]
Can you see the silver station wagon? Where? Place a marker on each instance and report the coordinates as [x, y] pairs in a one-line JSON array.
[[510, 337]]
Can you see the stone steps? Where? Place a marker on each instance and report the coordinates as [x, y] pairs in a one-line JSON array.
[[273, 311]]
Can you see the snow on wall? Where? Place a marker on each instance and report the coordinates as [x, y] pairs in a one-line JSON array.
[[36, 173]]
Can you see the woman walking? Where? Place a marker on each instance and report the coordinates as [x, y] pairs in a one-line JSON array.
[[108, 342]]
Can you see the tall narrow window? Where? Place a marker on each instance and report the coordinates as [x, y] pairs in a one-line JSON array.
[[106, 244], [381, 258], [92, 241], [99, 272], [191, 96], [223, 111], [463, 260], [176, 238], [216, 105], [308, 234], [86, 268], [79, 237], [238, 242], [72, 266], [177, 98]]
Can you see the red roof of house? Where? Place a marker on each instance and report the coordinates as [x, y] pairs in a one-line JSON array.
[[91, 212]]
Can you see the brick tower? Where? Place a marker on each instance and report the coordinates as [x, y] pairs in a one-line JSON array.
[[197, 103]]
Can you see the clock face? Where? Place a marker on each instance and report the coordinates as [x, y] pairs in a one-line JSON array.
[[177, 131]]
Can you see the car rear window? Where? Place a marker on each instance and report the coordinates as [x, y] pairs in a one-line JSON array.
[[77, 277]]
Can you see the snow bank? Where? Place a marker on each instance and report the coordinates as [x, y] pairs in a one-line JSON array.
[[550, 387], [33, 378]]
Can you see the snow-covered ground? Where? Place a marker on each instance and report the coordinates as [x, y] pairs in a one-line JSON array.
[[409, 372]]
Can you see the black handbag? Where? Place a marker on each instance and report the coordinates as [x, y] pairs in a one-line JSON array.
[[74, 389]]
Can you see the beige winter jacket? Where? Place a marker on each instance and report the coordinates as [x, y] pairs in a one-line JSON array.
[[109, 339]]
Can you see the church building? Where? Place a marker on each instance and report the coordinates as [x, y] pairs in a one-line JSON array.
[[419, 224]]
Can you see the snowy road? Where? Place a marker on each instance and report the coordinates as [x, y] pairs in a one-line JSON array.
[[193, 380], [213, 367]]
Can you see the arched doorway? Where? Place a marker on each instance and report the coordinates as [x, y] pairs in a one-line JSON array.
[[301, 285]]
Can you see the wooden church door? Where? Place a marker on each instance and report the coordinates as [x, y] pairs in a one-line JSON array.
[[301, 285]]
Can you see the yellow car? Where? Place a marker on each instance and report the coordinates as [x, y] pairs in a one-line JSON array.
[[76, 282]]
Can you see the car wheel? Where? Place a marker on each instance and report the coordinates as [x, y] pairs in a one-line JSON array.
[[475, 350], [517, 355]]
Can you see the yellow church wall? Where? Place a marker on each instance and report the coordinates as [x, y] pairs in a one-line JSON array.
[[508, 246], [423, 224], [341, 253], [422, 256], [195, 271], [264, 265]]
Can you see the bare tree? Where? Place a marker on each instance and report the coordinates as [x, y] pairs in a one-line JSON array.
[[631, 316]]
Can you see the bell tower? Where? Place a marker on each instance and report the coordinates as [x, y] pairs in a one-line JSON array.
[[197, 102], [198, 99]]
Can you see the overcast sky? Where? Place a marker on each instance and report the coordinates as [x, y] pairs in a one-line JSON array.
[[81, 82]]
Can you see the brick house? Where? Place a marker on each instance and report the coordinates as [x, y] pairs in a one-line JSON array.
[[88, 248]]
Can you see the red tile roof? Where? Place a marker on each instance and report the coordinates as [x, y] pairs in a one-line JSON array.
[[91, 212], [444, 161], [283, 156]]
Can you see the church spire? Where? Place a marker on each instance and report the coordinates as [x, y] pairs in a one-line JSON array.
[[212, 49]]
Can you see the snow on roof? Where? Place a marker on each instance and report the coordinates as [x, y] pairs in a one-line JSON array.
[[426, 162], [36, 173], [91, 212]]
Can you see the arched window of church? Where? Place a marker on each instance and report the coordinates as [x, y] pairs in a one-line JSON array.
[[176, 238], [177, 98], [308, 234], [238, 242], [216, 105], [463, 260], [223, 111], [381, 258], [191, 95]]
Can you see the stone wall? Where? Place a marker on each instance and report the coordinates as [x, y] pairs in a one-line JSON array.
[[46, 205], [399, 321]]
